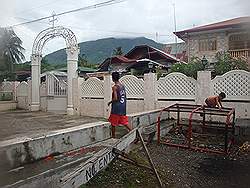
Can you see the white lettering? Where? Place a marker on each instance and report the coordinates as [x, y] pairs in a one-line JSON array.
[[99, 165]]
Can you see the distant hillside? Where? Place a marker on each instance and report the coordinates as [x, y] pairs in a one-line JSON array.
[[97, 51]]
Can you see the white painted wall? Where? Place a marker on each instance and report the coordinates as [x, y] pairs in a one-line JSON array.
[[90, 97], [56, 104]]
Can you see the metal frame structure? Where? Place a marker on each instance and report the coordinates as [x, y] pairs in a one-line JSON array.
[[229, 113]]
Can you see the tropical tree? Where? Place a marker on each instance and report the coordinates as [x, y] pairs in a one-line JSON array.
[[225, 63], [118, 51], [11, 50], [189, 69], [82, 60]]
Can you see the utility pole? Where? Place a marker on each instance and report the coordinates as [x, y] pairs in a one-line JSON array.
[[156, 36], [175, 31]]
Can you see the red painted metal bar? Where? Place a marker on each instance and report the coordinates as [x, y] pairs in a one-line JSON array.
[[159, 122], [226, 128], [190, 125], [197, 109]]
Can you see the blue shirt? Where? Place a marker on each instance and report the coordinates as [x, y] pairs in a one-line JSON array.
[[119, 106]]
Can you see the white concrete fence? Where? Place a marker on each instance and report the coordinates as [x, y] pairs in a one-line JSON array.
[[149, 93], [90, 97]]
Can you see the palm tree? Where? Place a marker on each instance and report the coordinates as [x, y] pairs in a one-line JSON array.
[[11, 50]]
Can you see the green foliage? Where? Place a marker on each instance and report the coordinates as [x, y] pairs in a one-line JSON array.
[[6, 96], [23, 66], [189, 69], [83, 62], [11, 53], [11, 50], [226, 63], [118, 51]]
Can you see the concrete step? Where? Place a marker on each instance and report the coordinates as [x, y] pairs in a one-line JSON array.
[[19, 151], [70, 169], [46, 172]]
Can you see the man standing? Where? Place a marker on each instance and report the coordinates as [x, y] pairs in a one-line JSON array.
[[118, 108]]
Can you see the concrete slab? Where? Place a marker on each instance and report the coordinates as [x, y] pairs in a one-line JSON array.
[[44, 172], [16, 152], [70, 169], [26, 137], [20, 123]]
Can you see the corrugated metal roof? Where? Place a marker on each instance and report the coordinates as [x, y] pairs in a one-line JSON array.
[[218, 25], [165, 54]]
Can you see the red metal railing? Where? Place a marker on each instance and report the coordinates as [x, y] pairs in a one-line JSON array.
[[188, 108]]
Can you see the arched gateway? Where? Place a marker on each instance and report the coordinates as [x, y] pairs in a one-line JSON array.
[[72, 57]]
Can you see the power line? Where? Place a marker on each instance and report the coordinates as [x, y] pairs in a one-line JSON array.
[[103, 30], [115, 31], [98, 5], [25, 19]]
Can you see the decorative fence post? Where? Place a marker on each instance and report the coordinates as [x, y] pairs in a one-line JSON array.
[[16, 83], [150, 91], [76, 95], [72, 58], [107, 95], [204, 86]]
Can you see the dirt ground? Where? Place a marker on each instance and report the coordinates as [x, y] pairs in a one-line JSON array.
[[20, 123], [178, 168]]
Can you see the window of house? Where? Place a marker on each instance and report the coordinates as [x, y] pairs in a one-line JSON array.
[[207, 44], [239, 41]]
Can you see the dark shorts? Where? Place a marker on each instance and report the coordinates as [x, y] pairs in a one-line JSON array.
[[116, 119]]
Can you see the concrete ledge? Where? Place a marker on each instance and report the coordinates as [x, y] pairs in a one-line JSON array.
[[7, 105], [16, 152], [76, 172], [146, 118], [148, 121]]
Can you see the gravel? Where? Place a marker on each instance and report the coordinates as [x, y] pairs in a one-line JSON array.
[[178, 168]]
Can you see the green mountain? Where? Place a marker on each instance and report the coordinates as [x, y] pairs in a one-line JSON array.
[[97, 51]]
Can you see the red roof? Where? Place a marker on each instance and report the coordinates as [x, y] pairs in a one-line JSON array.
[[218, 25], [121, 59], [151, 50]]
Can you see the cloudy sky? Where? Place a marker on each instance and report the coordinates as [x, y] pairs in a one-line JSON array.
[[132, 18]]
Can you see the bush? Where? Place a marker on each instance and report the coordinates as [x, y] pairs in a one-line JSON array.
[[6, 96], [189, 69], [225, 63]]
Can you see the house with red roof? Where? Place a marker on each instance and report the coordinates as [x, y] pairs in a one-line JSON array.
[[231, 35], [138, 60]]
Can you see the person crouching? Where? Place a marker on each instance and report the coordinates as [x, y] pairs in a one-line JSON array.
[[215, 101]]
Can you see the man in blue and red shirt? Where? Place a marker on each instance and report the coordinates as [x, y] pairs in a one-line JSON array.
[[118, 108]]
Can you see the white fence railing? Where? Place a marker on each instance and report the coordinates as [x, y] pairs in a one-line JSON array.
[[176, 86], [55, 87], [92, 88], [235, 84], [93, 94], [134, 86]]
